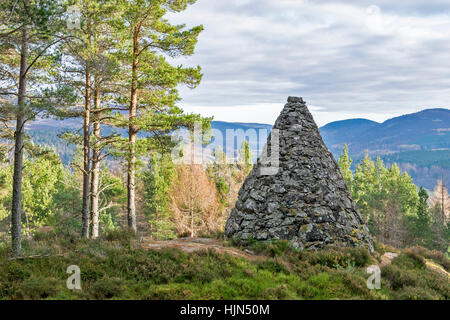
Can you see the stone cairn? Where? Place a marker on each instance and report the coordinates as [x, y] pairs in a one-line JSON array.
[[306, 199]]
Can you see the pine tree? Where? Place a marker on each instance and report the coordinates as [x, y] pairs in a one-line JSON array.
[[245, 159], [158, 179], [28, 29], [345, 163], [363, 184], [146, 38], [422, 222], [105, 72], [386, 198], [92, 72], [78, 75]]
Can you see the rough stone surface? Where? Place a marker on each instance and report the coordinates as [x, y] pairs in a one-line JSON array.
[[307, 200]]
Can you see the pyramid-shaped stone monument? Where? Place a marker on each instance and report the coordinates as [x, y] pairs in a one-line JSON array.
[[302, 197]]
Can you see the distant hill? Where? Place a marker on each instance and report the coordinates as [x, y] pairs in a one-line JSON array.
[[426, 130], [46, 131], [418, 142], [346, 129]]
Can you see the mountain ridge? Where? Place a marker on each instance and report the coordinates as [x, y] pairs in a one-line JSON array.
[[419, 142], [423, 130]]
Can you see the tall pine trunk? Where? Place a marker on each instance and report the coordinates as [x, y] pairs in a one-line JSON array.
[[132, 133], [191, 196], [443, 199], [86, 155], [16, 210], [95, 166], [86, 135], [131, 186]]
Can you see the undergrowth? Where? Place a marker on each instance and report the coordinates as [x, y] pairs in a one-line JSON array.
[[116, 267]]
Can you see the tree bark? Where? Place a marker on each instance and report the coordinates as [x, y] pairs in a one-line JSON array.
[[86, 155], [16, 210], [86, 136], [95, 167], [192, 219], [132, 133], [443, 200], [191, 196]]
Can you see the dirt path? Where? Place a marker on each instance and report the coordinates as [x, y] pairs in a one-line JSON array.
[[436, 268], [196, 244], [386, 259]]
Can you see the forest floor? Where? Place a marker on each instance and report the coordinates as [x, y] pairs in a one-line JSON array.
[[119, 266]]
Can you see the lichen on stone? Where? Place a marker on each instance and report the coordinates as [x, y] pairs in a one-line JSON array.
[[307, 200]]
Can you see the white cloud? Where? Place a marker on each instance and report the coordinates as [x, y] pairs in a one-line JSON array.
[[370, 59]]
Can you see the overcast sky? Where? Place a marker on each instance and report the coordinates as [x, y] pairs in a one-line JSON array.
[[347, 59]]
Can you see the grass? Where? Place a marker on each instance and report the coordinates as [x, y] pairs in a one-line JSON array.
[[117, 268]]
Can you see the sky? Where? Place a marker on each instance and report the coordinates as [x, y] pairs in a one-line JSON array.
[[347, 59]]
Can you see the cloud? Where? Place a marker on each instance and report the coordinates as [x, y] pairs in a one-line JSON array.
[[373, 58]]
